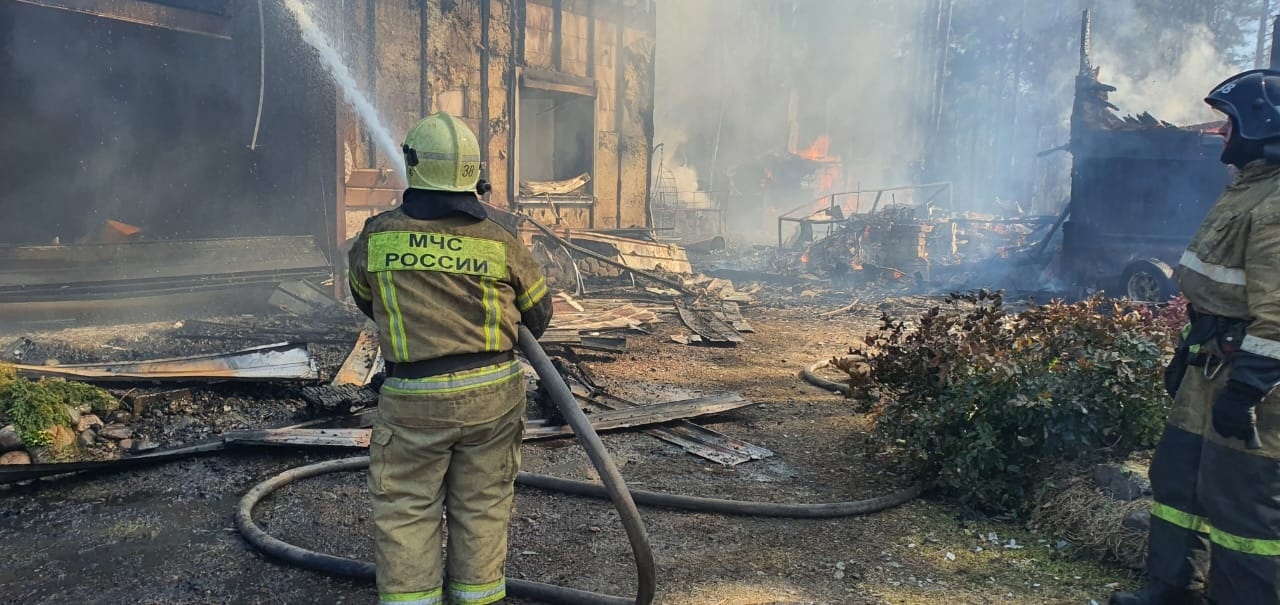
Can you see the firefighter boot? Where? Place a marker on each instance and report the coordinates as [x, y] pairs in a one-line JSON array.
[[1159, 593]]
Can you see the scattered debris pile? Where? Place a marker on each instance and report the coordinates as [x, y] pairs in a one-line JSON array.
[[695, 439], [888, 242], [310, 372]]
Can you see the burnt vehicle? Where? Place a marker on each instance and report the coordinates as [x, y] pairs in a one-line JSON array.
[[1139, 189]]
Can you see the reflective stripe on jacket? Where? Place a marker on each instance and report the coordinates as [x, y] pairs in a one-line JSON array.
[[442, 287], [1232, 267]]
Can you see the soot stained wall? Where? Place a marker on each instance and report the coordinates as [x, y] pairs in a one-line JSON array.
[[110, 120]]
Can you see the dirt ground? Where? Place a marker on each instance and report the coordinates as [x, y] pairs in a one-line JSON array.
[[165, 534]]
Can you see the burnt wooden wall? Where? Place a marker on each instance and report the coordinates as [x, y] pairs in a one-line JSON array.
[[466, 57]]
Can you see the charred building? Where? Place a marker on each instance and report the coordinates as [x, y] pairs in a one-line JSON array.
[[1139, 188], [201, 127]]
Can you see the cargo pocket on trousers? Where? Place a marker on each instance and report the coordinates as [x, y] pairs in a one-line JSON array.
[[378, 440], [513, 457]]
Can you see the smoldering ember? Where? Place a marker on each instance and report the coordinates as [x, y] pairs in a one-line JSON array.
[[851, 301]]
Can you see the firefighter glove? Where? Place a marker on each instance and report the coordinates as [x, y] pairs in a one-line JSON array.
[[1233, 414]]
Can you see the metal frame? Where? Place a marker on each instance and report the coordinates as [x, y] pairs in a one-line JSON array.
[[791, 217]]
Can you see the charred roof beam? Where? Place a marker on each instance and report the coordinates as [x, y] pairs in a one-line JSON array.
[[212, 18]]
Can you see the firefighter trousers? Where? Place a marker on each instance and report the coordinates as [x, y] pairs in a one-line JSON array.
[[416, 473], [1216, 516]]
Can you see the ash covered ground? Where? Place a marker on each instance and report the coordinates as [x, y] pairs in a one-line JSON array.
[[165, 534]]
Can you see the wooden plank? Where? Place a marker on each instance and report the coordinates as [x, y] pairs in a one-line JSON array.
[[640, 254], [372, 198], [645, 415], [558, 81], [705, 325], [341, 398], [373, 178], [733, 314], [362, 362], [276, 363], [695, 439], [27, 266], [206, 23], [302, 298], [138, 288], [626, 316], [608, 344], [605, 259], [301, 437]]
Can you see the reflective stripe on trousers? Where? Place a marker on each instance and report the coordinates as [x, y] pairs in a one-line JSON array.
[[431, 597], [1219, 538], [1178, 548], [477, 594], [1216, 519], [415, 474]]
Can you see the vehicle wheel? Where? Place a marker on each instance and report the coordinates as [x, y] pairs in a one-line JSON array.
[[1148, 281]]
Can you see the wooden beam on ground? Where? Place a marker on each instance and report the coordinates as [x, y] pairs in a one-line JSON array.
[[645, 415]]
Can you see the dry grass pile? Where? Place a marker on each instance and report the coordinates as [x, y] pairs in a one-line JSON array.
[[1077, 510]]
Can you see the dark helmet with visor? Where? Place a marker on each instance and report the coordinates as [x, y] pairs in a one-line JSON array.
[[1251, 100]]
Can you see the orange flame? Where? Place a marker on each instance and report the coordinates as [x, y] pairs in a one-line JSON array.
[[818, 151], [804, 259]]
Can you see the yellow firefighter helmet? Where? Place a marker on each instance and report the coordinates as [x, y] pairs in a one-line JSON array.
[[441, 154]]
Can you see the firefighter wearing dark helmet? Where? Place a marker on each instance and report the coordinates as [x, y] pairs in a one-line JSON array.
[[1215, 477], [447, 287]]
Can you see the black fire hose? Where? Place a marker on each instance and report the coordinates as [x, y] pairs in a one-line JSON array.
[[614, 489], [364, 570], [829, 510]]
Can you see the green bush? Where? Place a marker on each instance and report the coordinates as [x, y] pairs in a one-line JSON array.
[[79, 393], [985, 404], [35, 407], [7, 374], [33, 410]]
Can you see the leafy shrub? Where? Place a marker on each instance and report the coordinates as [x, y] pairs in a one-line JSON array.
[[33, 410], [985, 403], [79, 393], [36, 407]]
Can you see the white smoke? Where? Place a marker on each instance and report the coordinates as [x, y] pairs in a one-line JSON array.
[[1172, 92]]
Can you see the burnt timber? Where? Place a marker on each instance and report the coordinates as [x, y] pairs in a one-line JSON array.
[[1139, 188]]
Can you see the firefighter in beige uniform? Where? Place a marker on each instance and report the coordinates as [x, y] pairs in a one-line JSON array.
[[447, 287], [1215, 478]]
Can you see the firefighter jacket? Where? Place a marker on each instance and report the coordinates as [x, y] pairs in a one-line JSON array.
[[1232, 269], [1215, 518], [451, 286]]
